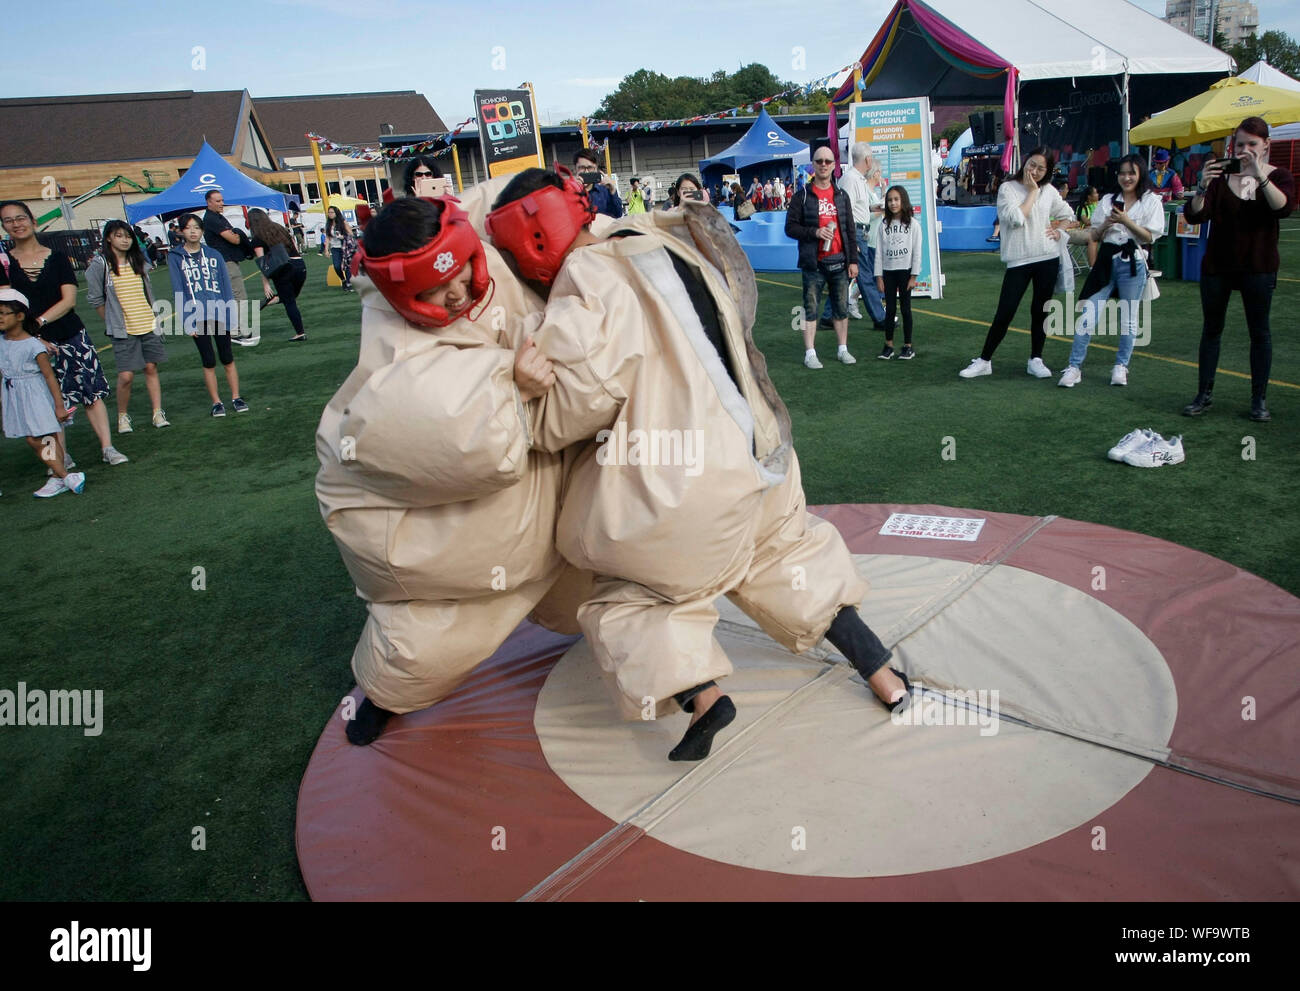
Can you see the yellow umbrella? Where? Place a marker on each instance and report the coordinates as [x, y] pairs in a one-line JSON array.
[[341, 202], [1217, 112]]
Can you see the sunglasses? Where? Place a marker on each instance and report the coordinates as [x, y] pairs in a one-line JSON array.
[[823, 161]]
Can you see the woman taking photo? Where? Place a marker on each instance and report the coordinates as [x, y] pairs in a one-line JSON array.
[[291, 274], [1243, 209], [1124, 226], [46, 278], [342, 245], [117, 285], [424, 178], [1027, 205], [686, 187]]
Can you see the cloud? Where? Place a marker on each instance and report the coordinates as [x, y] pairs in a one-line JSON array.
[[600, 82]]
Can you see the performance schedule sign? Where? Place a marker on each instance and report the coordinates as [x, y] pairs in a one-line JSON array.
[[507, 128], [899, 134]]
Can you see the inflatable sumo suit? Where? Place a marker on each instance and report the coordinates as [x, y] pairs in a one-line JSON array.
[[443, 511], [692, 488]]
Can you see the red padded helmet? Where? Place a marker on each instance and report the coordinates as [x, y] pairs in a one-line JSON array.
[[539, 228], [403, 276]]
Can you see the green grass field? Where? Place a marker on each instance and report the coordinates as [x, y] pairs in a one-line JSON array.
[[214, 698]]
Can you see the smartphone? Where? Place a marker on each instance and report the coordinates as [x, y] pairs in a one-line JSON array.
[[1231, 166], [432, 186], [589, 178], [695, 195]]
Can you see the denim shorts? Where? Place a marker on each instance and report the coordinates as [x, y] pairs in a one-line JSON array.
[[815, 282]]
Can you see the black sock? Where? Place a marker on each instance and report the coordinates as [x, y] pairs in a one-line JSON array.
[[365, 727], [854, 639], [698, 741]]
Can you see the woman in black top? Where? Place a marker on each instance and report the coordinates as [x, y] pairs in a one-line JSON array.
[[1243, 208], [49, 282], [289, 280]]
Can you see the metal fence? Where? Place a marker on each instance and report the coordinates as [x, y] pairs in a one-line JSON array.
[[79, 245]]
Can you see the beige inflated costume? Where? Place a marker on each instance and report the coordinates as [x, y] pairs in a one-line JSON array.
[[727, 514], [443, 511]]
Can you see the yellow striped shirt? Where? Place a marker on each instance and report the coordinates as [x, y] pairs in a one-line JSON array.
[[135, 306]]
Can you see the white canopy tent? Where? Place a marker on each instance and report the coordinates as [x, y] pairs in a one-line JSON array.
[[1266, 75], [1069, 57]]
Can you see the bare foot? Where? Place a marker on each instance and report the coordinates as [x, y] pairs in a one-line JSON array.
[[704, 702], [888, 686]]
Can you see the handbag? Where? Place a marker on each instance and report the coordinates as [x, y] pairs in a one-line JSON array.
[[745, 210], [275, 262]]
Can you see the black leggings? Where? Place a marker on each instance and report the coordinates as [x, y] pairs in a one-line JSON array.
[[1256, 290], [896, 281], [1014, 283], [204, 340], [287, 287]]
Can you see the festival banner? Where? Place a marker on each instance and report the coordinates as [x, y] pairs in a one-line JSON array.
[[899, 134], [507, 130]]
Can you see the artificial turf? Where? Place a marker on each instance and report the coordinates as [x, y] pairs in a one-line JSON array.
[[214, 697]]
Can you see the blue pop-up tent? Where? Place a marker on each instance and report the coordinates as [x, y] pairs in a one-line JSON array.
[[210, 171], [766, 150]]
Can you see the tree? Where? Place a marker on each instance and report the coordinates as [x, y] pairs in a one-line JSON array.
[[648, 95], [1277, 48]]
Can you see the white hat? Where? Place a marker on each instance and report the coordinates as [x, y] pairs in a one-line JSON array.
[[10, 295]]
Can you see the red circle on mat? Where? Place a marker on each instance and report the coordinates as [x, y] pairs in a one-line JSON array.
[[458, 802]]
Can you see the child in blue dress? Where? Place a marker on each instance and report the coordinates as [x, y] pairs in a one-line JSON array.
[[30, 400]]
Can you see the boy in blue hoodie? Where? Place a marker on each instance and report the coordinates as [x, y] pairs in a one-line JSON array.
[[206, 308]]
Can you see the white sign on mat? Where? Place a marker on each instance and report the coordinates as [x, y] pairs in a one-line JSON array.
[[932, 527]]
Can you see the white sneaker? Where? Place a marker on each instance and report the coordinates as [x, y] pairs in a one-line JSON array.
[[976, 368], [124, 423], [114, 457], [1131, 441], [51, 488], [1119, 375], [1157, 452], [160, 419], [1037, 369], [844, 356], [854, 312], [810, 361], [1070, 377], [68, 463], [75, 482]]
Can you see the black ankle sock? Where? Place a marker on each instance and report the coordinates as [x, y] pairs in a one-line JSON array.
[[854, 639], [365, 727], [698, 740]]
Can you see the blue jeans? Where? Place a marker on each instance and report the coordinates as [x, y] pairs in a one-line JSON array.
[[866, 281], [1128, 290]]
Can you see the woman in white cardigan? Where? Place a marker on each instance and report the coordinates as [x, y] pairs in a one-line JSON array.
[[1032, 214]]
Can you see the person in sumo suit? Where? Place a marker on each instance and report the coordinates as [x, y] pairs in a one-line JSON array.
[[442, 508], [691, 489]]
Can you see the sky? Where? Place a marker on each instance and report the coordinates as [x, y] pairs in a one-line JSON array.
[[572, 56]]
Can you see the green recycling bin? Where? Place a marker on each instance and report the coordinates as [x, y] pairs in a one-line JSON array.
[[1165, 256]]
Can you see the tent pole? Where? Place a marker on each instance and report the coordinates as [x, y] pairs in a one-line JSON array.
[[1015, 128], [1123, 133]]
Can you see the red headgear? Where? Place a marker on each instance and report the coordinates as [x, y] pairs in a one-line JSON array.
[[401, 277], [539, 228]]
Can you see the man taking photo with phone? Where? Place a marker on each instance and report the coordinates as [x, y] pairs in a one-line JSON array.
[[600, 187]]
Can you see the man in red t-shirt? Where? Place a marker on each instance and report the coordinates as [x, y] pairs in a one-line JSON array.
[[820, 218]]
